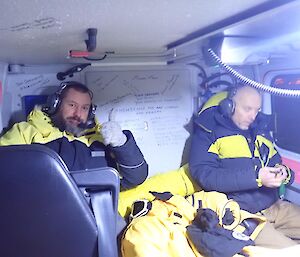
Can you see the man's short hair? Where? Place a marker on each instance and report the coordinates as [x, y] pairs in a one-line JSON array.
[[66, 86]]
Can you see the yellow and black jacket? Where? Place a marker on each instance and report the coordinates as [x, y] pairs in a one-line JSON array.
[[163, 230], [226, 159], [80, 153]]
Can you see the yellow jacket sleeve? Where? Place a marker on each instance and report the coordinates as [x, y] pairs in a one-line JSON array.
[[178, 182], [20, 134]]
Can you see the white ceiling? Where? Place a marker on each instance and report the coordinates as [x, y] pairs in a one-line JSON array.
[[44, 31]]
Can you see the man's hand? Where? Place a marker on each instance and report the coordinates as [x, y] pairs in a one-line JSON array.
[[112, 132], [272, 176]]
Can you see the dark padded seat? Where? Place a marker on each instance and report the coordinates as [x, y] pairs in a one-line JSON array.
[[44, 213]]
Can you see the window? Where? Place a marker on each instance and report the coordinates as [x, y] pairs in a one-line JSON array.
[[286, 112]]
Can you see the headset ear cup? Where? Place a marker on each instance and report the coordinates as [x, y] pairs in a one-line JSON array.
[[91, 115], [53, 102], [227, 107]]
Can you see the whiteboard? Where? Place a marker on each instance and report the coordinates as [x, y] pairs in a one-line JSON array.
[[155, 105]]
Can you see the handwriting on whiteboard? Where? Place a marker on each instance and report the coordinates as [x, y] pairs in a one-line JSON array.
[[36, 81], [155, 105]]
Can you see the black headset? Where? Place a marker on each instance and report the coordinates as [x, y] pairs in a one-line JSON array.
[[54, 100], [227, 105]]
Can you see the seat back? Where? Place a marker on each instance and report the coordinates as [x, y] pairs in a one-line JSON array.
[[43, 212]]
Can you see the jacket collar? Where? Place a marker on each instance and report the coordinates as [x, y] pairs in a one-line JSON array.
[[211, 117], [43, 123]]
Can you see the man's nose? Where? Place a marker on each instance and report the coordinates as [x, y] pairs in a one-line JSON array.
[[253, 115], [77, 112]]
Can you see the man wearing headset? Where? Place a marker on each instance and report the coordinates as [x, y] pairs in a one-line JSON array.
[[68, 126], [232, 152]]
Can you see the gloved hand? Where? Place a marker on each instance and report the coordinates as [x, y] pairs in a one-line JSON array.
[[112, 133]]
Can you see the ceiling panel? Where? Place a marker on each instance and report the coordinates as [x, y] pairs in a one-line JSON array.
[[43, 31]]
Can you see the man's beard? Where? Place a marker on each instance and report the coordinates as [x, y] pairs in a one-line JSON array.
[[63, 125]]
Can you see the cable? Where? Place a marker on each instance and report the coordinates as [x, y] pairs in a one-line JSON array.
[[252, 83], [95, 59], [205, 82], [220, 82], [203, 73]]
